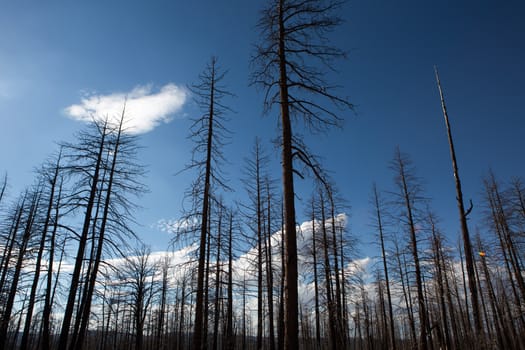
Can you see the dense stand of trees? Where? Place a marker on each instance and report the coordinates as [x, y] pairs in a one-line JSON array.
[[80, 206], [246, 275], [70, 233]]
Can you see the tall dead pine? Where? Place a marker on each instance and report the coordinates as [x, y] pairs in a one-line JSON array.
[[408, 196], [293, 32], [206, 131], [467, 245]]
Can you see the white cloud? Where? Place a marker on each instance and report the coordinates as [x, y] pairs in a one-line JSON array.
[[175, 226], [145, 108]]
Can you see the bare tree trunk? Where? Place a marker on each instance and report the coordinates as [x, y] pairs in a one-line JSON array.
[[490, 326], [406, 296], [293, 32], [244, 312], [338, 303], [230, 341], [453, 314], [291, 331], [328, 281], [382, 319], [385, 267], [29, 314], [205, 312], [49, 279], [4, 186], [210, 93], [101, 236], [281, 319], [497, 316], [463, 221], [217, 282], [437, 247], [181, 318], [316, 286], [160, 334], [465, 316], [259, 218], [75, 279], [28, 230], [508, 246], [269, 268], [407, 196], [344, 293], [11, 241]]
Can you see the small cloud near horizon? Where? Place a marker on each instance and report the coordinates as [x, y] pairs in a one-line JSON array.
[[145, 108]]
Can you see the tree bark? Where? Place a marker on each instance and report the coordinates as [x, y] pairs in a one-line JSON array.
[[291, 331]]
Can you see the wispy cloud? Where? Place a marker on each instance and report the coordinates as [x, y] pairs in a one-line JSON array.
[[145, 108], [175, 226]]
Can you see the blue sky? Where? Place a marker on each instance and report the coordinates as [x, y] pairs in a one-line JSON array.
[[54, 54]]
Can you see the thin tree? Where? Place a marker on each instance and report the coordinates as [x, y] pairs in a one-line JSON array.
[[230, 341], [380, 230], [123, 173], [218, 277], [254, 170], [162, 312], [49, 290], [409, 196], [103, 164], [467, 245], [97, 137], [137, 275], [269, 265], [4, 186], [293, 33], [316, 283], [208, 133], [332, 319], [437, 252], [16, 218], [23, 243], [52, 177]]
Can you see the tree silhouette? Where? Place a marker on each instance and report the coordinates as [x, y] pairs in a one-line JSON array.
[[208, 133], [293, 36]]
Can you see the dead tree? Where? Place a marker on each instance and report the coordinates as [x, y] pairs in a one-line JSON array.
[[293, 33], [269, 265], [254, 173], [408, 197], [316, 284], [230, 341], [380, 230], [103, 164], [101, 131], [51, 176], [4, 186], [137, 276], [467, 245], [23, 242], [49, 290], [208, 132]]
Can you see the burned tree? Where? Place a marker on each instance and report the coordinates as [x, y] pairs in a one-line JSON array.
[[102, 163], [208, 133], [409, 196], [294, 39], [467, 245]]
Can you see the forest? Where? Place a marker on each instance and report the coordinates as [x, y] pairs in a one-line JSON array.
[[75, 274]]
